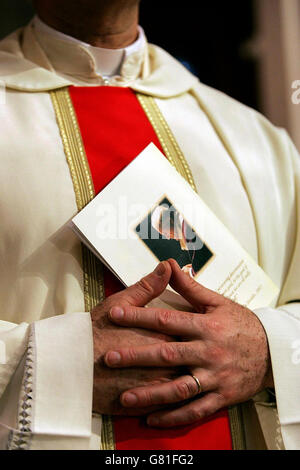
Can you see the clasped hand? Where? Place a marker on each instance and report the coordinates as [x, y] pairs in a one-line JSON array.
[[222, 343], [109, 383]]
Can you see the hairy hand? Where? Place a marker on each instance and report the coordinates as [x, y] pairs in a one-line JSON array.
[[223, 344], [110, 383]]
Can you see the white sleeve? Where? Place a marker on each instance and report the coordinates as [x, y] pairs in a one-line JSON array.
[[282, 326], [46, 383]]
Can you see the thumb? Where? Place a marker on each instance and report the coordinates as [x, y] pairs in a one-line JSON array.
[[149, 287], [196, 294]]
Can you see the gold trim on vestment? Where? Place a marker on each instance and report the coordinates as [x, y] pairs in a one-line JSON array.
[[73, 147], [93, 285], [237, 427], [166, 138], [107, 434], [177, 159], [93, 279]]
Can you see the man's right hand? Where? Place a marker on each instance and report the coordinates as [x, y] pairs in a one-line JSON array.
[[110, 383]]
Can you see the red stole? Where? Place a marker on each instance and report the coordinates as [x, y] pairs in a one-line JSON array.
[[115, 130]]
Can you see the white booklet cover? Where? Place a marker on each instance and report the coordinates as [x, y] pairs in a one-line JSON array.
[[149, 213]]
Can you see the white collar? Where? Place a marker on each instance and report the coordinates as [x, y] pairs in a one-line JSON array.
[[108, 62], [26, 66]]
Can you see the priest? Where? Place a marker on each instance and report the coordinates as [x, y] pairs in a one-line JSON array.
[[84, 94]]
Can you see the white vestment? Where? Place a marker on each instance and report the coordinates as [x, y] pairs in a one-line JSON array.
[[245, 169]]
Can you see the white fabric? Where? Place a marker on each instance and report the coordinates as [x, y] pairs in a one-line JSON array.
[[246, 170], [108, 62], [57, 370], [284, 341]]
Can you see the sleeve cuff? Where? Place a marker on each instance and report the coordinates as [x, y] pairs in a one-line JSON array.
[[56, 397], [282, 327]]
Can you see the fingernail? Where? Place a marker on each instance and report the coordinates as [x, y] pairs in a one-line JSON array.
[[130, 399], [160, 269], [113, 358], [153, 421], [117, 313]]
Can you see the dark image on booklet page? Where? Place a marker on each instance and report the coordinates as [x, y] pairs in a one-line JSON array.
[[167, 235]]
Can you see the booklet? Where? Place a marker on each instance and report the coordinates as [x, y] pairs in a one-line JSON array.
[[149, 213]]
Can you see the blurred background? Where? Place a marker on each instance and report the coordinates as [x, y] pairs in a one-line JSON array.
[[249, 49]]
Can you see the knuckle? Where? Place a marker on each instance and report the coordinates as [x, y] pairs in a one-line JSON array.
[[167, 353], [183, 351], [215, 326], [143, 287], [131, 313], [164, 318], [131, 355], [195, 414], [221, 399], [205, 411], [228, 395], [185, 390], [146, 398], [216, 354]]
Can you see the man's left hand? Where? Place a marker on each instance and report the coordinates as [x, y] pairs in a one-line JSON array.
[[224, 345]]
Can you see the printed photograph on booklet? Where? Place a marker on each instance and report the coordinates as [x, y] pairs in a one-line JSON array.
[[166, 234]]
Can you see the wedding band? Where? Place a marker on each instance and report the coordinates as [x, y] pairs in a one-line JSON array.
[[198, 384]]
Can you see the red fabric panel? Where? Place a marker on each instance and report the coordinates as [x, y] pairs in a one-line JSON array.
[[211, 434], [115, 130]]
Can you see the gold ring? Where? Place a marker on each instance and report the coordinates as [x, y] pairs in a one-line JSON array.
[[198, 384]]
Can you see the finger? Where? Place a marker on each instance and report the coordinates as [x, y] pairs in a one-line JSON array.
[[188, 414], [170, 322], [158, 355], [196, 294], [181, 389], [148, 288]]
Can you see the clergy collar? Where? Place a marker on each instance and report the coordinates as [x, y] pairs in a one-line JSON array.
[[105, 63], [71, 57], [25, 66]]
